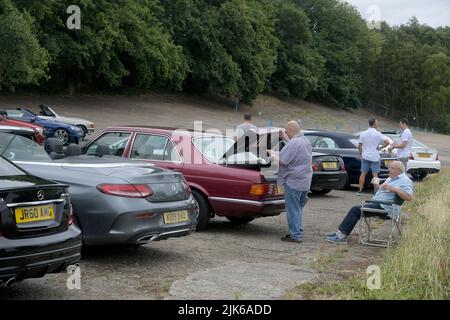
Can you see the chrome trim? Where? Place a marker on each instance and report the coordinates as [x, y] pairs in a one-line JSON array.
[[251, 202], [42, 253], [153, 237], [34, 203]]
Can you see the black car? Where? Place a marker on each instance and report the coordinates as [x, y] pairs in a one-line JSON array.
[[36, 231], [345, 145]]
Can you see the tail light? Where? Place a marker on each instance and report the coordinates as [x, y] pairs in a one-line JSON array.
[[342, 164], [260, 189], [187, 188], [315, 166], [411, 157], [126, 190], [67, 202]]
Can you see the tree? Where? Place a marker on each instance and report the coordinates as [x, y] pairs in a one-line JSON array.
[[22, 60], [299, 66]]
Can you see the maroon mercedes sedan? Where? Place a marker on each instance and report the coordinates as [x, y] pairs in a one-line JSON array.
[[225, 184]]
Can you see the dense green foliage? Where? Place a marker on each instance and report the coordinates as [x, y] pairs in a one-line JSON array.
[[312, 49]]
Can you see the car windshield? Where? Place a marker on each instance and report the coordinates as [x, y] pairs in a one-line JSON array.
[[7, 169], [18, 148]]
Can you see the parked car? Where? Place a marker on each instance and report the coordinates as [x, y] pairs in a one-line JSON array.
[[345, 145], [114, 200], [49, 113], [222, 184], [422, 161], [37, 129], [239, 192], [36, 231], [64, 132]]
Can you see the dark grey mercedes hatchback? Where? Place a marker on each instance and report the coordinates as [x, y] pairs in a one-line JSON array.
[[36, 231]]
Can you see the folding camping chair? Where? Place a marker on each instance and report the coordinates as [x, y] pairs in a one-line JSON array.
[[367, 214]]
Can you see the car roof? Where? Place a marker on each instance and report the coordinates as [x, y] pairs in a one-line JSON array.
[[331, 133], [160, 129]]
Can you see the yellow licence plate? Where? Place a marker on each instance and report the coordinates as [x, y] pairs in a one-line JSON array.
[[176, 216], [329, 165], [33, 214], [424, 155]]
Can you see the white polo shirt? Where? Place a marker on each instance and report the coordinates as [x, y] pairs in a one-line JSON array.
[[370, 140], [406, 151]]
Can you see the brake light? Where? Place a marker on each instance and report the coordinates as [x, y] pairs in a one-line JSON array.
[[126, 190], [411, 157], [259, 189], [146, 215], [342, 164], [315, 166], [70, 214]]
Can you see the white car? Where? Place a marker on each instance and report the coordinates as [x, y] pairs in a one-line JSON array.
[[48, 113], [422, 160]]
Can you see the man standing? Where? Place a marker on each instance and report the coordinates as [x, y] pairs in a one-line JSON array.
[[245, 126], [404, 144], [369, 142], [294, 174], [398, 184]]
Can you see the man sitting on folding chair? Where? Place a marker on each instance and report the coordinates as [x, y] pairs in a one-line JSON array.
[[397, 188]]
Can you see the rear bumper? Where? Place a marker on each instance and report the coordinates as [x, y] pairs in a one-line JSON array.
[[37, 256], [232, 207], [128, 228], [328, 180], [426, 166]]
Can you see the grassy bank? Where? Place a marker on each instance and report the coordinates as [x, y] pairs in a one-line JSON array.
[[419, 267]]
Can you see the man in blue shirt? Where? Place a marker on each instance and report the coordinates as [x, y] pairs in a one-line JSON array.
[[295, 175], [398, 184]]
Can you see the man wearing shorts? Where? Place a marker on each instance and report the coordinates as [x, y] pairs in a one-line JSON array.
[[404, 144], [369, 146]]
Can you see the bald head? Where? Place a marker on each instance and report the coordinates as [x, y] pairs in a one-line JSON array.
[[396, 168], [292, 128]]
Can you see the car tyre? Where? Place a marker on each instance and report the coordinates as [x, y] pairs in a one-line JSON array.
[[240, 220], [204, 210]]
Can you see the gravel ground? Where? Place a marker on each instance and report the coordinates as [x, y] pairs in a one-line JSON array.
[[224, 261]]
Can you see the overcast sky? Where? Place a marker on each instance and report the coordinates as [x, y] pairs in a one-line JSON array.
[[434, 13]]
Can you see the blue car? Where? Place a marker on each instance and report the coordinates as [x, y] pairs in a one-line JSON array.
[[66, 133]]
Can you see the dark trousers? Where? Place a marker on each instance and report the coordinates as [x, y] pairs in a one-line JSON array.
[[352, 218]]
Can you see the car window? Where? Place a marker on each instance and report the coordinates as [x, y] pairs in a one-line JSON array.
[[19, 115], [312, 139], [18, 148], [325, 143], [154, 147], [7, 169], [116, 141], [354, 142]]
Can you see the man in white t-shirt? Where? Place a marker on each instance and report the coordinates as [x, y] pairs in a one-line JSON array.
[[369, 152], [404, 144]]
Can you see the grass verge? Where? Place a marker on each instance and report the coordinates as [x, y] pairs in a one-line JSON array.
[[419, 267]]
